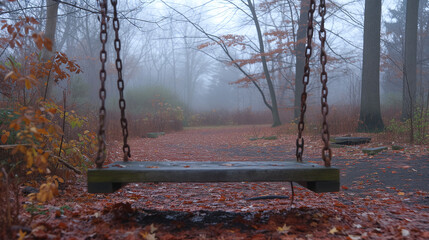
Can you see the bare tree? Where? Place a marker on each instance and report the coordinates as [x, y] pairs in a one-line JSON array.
[[274, 109], [299, 55], [370, 112], [410, 60], [410, 64], [228, 51], [50, 30]]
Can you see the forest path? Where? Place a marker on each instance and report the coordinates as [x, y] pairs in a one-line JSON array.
[[405, 170], [382, 197]]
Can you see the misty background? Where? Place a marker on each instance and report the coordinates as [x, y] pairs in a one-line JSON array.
[[165, 51]]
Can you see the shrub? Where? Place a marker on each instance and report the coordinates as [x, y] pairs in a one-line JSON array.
[[149, 109], [147, 99], [6, 117], [30, 123], [402, 129]]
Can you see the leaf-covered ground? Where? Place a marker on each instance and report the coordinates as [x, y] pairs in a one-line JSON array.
[[382, 197]]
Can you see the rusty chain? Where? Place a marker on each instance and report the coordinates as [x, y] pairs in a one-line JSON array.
[[101, 154], [120, 82], [326, 151], [305, 81]]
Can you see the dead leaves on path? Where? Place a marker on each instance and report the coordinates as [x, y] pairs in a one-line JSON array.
[[220, 211]]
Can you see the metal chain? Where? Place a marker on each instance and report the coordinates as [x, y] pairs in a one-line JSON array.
[[326, 151], [101, 154], [120, 82], [305, 81]]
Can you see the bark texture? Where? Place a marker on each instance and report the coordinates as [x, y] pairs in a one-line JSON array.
[[370, 113], [274, 108], [410, 60], [299, 56], [50, 30]]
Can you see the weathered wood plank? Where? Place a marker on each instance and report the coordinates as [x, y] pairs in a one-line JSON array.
[[104, 187], [178, 171], [322, 186], [373, 151], [155, 134], [351, 140]]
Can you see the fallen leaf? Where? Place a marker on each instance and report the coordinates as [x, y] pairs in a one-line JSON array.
[[405, 233], [354, 237], [333, 230], [148, 236], [62, 225], [57, 213], [283, 229], [21, 235], [357, 225], [39, 232], [153, 228], [222, 199]]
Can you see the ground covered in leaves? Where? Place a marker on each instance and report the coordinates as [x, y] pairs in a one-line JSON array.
[[382, 197]]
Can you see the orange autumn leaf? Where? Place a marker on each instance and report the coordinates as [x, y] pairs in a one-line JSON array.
[[48, 44], [37, 40], [4, 137], [27, 84], [21, 235], [52, 110]]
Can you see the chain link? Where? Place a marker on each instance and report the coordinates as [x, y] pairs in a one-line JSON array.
[[326, 151], [305, 81], [120, 82], [101, 154]]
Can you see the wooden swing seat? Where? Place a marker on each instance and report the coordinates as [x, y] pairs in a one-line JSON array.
[[312, 176]]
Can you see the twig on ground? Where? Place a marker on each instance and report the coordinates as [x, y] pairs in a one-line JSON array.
[[67, 164]]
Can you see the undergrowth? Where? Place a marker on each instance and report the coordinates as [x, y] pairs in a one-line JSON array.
[[42, 143]]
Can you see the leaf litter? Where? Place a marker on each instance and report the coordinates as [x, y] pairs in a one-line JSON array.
[[374, 203]]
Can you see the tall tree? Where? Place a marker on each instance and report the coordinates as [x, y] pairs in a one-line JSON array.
[[274, 108], [257, 55], [370, 113], [50, 29], [299, 55], [410, 60], [395, 50]]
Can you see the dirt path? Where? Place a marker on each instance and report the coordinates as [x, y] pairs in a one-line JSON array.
[[382, 197], [406, 170]]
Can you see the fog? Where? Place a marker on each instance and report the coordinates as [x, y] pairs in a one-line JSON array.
[[167, 44]]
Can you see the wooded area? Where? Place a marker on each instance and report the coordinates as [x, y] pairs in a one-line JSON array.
[[206, 93]]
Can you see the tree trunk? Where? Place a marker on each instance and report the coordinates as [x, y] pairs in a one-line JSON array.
[[299, 56], [410, 60], [274, 108], [50, 29], [370, 113]]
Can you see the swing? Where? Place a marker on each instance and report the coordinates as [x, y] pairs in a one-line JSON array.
[[108, 179]]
